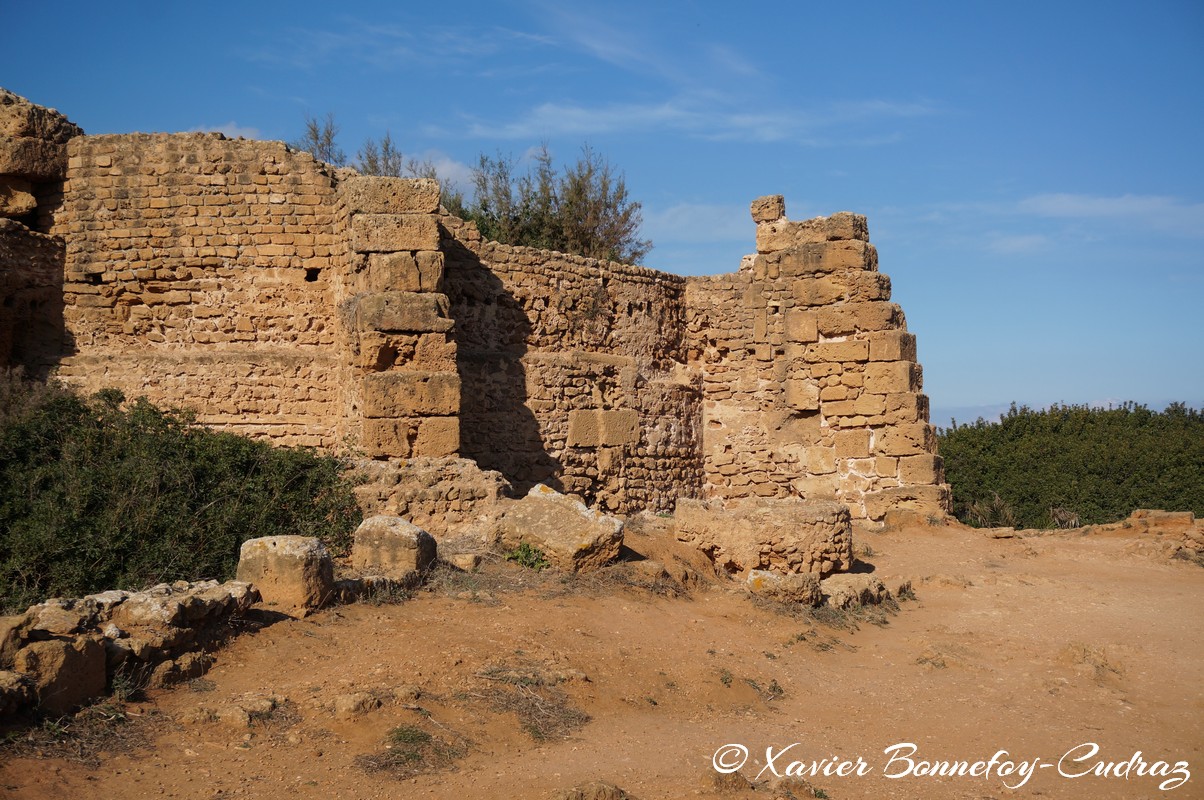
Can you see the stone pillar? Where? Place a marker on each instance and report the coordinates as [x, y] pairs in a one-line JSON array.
[[408, 386]]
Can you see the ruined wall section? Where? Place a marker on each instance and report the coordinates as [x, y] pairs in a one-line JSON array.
[[404, 388], [203, 272], [33, 162], [810, 383], [573, 372]]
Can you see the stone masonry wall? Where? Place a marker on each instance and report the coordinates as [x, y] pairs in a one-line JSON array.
[[279, 297], [573, 373], [33, 162], [203, 272], [810, 383]]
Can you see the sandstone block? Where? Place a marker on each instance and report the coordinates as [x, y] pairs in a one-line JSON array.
[[34, 159], [907, 407], [618, 427], [785, 536], [770, 208], [16, 693], [21, 118], [573, 537], [801, 326], [404, 272], [865, 405], [923, 469], [802, 588], [16, 197], [850, 318], [392, 546], [438, 437], [852, 444], [802, 395], [403, 312], [852, 350], [892, 346], [411, 394], [912, 439], [893, 377], [783, 233], [64, 672], [370, 194], [868, 286], [387, 233], [821, 460], [390, 438], [293, 573], [584, 428], [819, 291], [931, 500], [851, 591], [812, 259]]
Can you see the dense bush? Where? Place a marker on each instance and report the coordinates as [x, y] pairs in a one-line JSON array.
[[1070, 465], [97, 494]]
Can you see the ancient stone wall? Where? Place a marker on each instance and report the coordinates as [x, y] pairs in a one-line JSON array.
[[404, 387], [33, 161], [573, 372], [203, 272], [810, 383], [281, 298]]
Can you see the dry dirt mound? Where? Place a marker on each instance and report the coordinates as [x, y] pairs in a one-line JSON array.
[[518, 685]]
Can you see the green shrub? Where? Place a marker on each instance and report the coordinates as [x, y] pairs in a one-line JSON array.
[[1074, 465], [529, 556], [96, 495]]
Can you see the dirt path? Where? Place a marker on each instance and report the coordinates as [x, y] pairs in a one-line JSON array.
[[1034, 645]]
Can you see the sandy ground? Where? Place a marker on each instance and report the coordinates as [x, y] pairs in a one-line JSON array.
[[1040, 646]]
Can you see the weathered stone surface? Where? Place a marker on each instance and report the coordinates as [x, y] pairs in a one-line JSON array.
[[16, 692], [404, 272], [34, 159], [64, 672], [794, 587], [928, 500], [850, 591], [16, 197], [770, 208], [372, 194], [573, 537], [411, 394], [21, 118], [388, 233], [391, 546], [292, 573], [785, 536], [441, 495], [403, 312]]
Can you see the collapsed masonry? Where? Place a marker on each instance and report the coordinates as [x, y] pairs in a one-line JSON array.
[[281, 298]]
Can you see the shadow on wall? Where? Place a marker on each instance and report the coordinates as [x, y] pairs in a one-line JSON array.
[[32, 330], [497, 428]]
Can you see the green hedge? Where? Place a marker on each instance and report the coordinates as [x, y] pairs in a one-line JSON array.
[[97, 494], [1075, 464]]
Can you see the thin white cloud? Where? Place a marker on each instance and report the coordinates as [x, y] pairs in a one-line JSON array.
[[1156, 212], [231, 129], [1006, 244], [698, 222], [713, 120]]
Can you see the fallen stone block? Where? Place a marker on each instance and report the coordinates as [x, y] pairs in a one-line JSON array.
[[794, 587], [573, 537], [65, 672], [849, 591], [16, 692], [293, 573], [392, 546], [780, 535]]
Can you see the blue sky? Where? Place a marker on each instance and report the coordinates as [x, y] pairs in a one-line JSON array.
[[1031, 171]]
